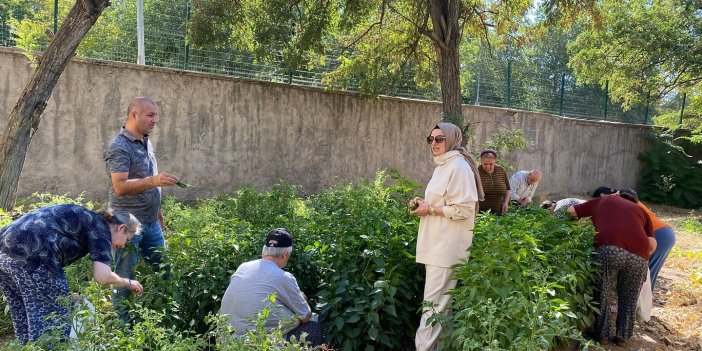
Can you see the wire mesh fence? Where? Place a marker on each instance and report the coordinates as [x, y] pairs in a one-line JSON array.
[[493, 82]]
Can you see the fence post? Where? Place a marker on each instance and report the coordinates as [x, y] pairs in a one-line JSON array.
[[141, 55], [477, 90], [509, 84], [648, 103], [55, 16], [187, 44], [682, 108], [606, 99], [560, 104]]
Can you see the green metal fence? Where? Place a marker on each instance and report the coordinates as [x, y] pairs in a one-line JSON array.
[[493, 83]]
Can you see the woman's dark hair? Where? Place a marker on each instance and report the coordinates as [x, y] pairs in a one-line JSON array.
[[629, 194], [547, 204], [603, 190]]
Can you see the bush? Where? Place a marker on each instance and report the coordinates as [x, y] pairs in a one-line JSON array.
[[527, 285], [670, 175]]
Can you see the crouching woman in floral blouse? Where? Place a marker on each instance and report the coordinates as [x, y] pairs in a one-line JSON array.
[[36, 247]]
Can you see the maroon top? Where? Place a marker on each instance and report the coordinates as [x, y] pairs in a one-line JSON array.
[[618, 222]]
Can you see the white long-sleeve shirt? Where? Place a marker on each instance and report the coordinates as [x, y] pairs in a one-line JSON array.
[[520, 188]]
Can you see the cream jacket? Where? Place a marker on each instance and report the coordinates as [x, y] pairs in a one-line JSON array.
[[443, 240]]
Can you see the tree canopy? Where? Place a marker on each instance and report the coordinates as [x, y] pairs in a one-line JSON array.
[[375, 42], [644, 49]]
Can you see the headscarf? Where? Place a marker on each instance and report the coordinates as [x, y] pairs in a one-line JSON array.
[[454, 138]]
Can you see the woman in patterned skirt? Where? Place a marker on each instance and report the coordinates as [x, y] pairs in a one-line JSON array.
[[36, 247], [624, 241]]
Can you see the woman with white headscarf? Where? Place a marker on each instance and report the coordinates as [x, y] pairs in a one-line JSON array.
[[447, 217]]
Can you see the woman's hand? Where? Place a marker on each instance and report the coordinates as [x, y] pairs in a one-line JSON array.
[[505, 207], [422, 207], [135, 287]]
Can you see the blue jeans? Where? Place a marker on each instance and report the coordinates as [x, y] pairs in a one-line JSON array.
[[149, 244], [665, 239]]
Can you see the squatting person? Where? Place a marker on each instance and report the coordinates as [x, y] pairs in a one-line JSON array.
[[254, 281]]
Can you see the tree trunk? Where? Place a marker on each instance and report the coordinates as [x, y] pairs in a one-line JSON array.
[[25, 117], [445, 28]]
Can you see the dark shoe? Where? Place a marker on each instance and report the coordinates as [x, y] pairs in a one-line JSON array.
[[621, 343], [604, 341]]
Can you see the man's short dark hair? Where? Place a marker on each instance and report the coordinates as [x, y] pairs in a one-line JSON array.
[[603, 190]]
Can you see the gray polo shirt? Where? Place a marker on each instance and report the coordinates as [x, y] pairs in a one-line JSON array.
[[124, 153], [248, 291]]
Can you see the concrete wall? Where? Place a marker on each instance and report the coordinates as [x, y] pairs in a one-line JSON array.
[[220, 133]]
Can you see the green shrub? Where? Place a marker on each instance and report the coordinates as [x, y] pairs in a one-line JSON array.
[[371, 286], [527, 284], [670, 175]]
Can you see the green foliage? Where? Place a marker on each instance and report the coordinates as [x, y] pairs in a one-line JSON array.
[[6, 321], [506, 140], [640, 47], [376, 43], [692, 226], [352, 247], [670, 175], [114, 34], [692, 116], [527, 285], [354, 258]]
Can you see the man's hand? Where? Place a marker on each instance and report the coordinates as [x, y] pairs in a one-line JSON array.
[[164, 179]]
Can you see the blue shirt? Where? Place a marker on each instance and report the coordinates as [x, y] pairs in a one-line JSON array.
[[124, 153], [56, 236], [248, 291]]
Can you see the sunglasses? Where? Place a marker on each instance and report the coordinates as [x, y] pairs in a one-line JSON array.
[[439, 139]]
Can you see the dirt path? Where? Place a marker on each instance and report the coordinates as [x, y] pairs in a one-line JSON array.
[[676, 322]]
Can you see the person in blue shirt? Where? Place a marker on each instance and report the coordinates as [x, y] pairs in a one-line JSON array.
[[35, 248]]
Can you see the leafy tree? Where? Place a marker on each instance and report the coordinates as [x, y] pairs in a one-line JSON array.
[[26, 115], [669, 116], [114, 36], [641, 47], [376, 41], [12, 10]]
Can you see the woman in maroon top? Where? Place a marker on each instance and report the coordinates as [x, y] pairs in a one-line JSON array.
[[624, 241]]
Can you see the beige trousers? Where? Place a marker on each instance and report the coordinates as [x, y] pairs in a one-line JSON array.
[[438, 282]]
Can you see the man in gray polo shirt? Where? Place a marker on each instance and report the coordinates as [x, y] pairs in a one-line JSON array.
[[135, 187], [254, 281]]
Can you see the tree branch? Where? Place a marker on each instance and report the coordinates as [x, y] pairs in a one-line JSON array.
[[378, 23], [421, 30]]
